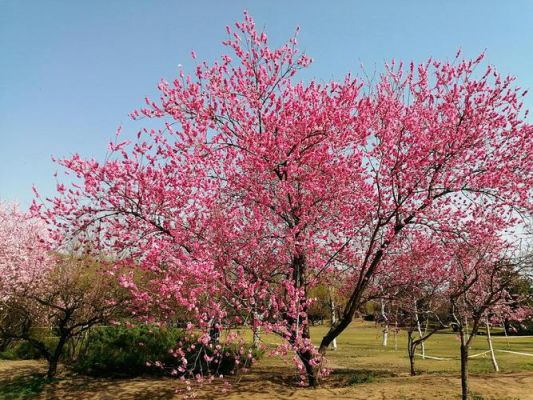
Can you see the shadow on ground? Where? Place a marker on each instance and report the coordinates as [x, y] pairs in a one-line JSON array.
[[25, 380]]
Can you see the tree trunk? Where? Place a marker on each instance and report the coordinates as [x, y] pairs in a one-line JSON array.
[[506, 336], [300, 329], [355, 298], [257, 336], [396, 336], [256, 329], [52, 367], [368, 270], [491, 348], [310, 370], [54, 357], [301, 324], [333, 333], [464, 365], [411, 349], [424, 342]]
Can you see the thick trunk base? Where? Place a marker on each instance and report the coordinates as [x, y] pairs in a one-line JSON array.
[[464, 372], [52, 369], [310, 371]]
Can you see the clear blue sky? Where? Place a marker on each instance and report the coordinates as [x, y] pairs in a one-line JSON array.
[[71, 71]]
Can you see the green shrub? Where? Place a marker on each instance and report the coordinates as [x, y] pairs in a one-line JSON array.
[[361, 377], [118, 351], [24, 350], [127, 352], [20, 350]]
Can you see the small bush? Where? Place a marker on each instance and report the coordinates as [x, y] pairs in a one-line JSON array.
[[24, 350], [361, 377]]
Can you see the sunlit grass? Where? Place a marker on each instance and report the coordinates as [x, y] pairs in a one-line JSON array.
[[360, 347]]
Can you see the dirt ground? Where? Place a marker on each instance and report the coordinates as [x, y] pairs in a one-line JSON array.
[[269, 383]]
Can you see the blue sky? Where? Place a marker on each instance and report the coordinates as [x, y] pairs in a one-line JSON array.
[[71, 71]]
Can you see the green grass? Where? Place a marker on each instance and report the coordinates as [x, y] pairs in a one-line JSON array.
[[23, 387], [359, 347]]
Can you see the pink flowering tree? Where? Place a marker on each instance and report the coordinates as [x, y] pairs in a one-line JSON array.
[[23, 251], [482, 270], [440, 152], [229, 205], [414, 282], [43, 294], [256, 187]]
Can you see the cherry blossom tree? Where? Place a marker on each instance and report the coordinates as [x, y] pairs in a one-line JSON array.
[[440, 151], [415, 282], [23, 251], [257, 187], [43, 293], [481, 274]]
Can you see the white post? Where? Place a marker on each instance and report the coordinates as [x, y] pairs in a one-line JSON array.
[[506, 337], [492, 355], [420, 334], [396, 336], [386, 324], [333, 317]]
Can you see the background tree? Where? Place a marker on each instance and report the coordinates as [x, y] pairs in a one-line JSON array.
[[481, 272], [71, 298], [439, 150], [43, 293]]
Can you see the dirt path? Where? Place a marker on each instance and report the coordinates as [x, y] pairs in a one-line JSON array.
[[266, 383]]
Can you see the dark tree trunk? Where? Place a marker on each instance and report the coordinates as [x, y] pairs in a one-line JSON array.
[[310, 370], [54, 357], [306, 356], [333, 333], [354, 301], [411, 348], [464, 366], [302, 324], [52, 367], [355, 298]]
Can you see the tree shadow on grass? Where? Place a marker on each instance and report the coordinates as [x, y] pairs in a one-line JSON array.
[[26, 380], [20, 381], [22, 387], [282, 382], [81, 387]]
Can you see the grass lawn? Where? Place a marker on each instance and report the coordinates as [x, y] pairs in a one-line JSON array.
[[360, 346], [361, 369]]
